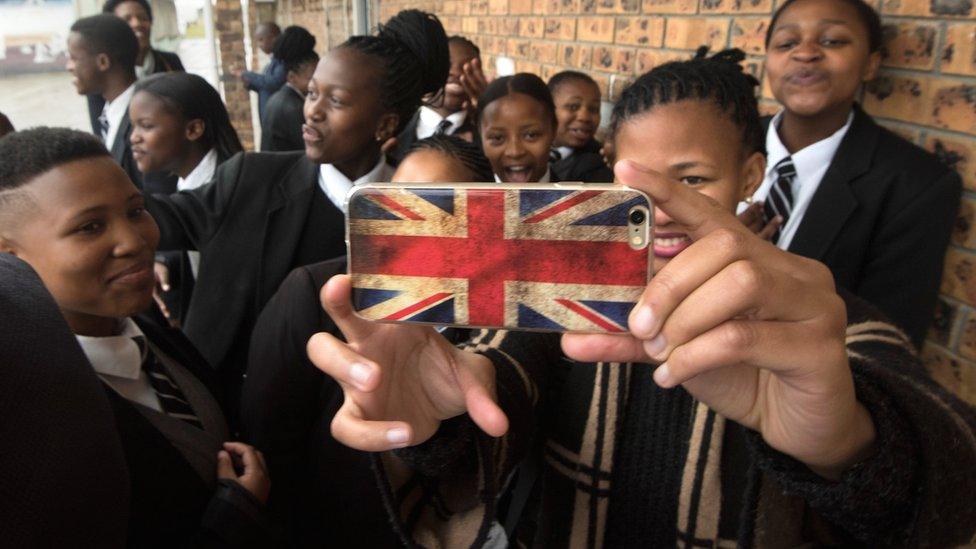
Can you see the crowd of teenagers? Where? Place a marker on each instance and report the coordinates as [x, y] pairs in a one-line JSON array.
[[183, 367]]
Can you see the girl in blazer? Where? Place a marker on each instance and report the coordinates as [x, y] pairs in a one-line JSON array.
[[288, 404], [873, 207], [267, 213], [576, 153], [180, 127], [73, 215]]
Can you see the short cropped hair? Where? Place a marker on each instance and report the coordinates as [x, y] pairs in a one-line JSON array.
[[563, 77], [110, 35], [110, 5], [26, 154]]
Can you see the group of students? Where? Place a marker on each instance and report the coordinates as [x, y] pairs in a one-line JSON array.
[[760, 397]]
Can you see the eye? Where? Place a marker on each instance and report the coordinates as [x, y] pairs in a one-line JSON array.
[[90, 228], [335, 101], [833, 42], [785, 45], [138, 211], [496, 139], [312, 94], [692, 180], [573, 107]]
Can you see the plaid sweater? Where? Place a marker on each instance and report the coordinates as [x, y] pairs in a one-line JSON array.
[[629, 464]]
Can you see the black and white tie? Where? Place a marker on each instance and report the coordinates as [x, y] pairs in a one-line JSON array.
[[780, 199], [171, 398], [442, 127], [555, 155], [103, 123]]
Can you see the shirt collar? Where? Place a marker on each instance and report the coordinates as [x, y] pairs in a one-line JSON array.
[[115, 111], [201, 174], [296, 90], [565, 152], [429, 119], [116, 356], [336, 185], [147, 67], [808, 159], [546, 177]]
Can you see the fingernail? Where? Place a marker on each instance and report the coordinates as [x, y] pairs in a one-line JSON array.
[[662, 376], [643, 321], [655, 346], [398, 435], [165, 287], [360, 373]]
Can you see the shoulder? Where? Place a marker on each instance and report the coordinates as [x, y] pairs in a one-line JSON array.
[[269, 162], [171, 59], [175, 344]]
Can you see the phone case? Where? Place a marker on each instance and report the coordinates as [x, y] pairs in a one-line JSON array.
[[551, 257]]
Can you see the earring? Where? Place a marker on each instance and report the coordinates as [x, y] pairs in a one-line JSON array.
[[748, 199]]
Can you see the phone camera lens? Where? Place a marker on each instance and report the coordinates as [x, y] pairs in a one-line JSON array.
[[637, 217]]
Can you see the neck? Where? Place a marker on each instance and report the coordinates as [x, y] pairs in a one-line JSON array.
[[141, 56], [92, 326], [116, 84], [798, 132], [361, 165], [442, 111], [193, 158]]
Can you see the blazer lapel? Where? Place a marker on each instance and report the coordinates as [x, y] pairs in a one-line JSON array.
[[120, 145], [834, 201], [287, 214]]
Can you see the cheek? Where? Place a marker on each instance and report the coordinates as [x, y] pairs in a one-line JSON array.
[[71, 273], [725, 193]]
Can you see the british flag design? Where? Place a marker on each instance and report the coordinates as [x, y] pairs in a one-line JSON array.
[[507, 258]]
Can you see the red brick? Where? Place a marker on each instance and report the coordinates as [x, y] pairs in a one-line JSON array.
[[959, 53], [648, 59], [954, 373], [517, 7], [749, 34], [479, 7], [569, 6], [958, 152], [688, 33], [964, 232], [509, 26], [640, 31], [618, 6], [935, 8], [585, 57], [910, 45], [954, 105], [959, 278], [561, 28], [736, 6], [528, 66], [904, 98], [544, 52], [532, 27], [498, 7], [595, 29], [569, 55], [670, 6]]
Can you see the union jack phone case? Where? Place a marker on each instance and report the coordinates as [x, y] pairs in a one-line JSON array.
[[563, 257]]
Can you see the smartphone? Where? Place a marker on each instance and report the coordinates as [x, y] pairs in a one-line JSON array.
[[564, 257]]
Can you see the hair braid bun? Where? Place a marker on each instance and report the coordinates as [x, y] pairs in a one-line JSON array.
[[422, 35]]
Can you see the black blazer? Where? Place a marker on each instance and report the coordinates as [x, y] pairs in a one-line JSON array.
[[881, 221], [247, 224], [586, 164], [281, 123], [121, 150]]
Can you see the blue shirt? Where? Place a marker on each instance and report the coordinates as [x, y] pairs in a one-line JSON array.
[[269, 81]]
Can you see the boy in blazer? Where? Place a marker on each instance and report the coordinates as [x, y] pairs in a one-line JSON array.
[[70, 212], [281, 124], [876, 209]]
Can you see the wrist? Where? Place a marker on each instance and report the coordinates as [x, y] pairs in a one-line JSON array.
[[857, 445]]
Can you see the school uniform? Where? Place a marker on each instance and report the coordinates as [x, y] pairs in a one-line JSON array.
[[172, 428], [583, 164], [268, 81], [427, 122], [261, 216], [876, 209], [281, 123], [64, 479]]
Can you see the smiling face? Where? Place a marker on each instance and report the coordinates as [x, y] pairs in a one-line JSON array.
[[517, 133], [85, 67], [454, 95], [689, 141], [138, 20], [344, 115], [87, 234], [159, 141], [265, 37], [818, 57], [578, 112]]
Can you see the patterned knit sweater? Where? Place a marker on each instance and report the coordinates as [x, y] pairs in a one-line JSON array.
[[626, 463]]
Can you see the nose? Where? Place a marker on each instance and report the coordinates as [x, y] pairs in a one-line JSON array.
[[807, 51], [514, 148], [585, 115], [661, 219], [312, 111], [129, 240]]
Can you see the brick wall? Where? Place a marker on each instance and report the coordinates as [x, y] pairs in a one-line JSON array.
[[329, 20], [230, 32]]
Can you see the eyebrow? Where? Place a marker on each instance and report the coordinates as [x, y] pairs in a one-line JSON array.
[[681, 166], [784, 26]]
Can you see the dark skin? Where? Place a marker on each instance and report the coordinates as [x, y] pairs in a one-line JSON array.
[[516, 135], [140, 22], [817, 59], [455, 96], [162, 140], [345, 120], [96, 72], [265, 36]]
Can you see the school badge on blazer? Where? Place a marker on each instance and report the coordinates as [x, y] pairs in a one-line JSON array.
[[553, 257]]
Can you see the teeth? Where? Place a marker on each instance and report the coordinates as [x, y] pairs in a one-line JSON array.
[[518, 169], [670, 242]]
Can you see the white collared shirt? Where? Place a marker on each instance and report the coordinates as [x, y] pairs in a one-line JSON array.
[[565, 152], [201, 174], [811, 164], [544, 179], [429, 119], [336, 186], [118, 362], [115, 110], [147, 66]]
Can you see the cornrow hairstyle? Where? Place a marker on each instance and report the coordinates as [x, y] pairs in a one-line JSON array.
[[458, 39], [865, 12], [191, 97], [29, 153], [110, 5], [415, 60], [110, 35], [295, 64], [292, 45], [464, 152], [563, 77], [524, 83], [719, 79]]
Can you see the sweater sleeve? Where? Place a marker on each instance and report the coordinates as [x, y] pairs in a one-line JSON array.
[[917, 487], [234, 519], [273, 77], [442, 493]]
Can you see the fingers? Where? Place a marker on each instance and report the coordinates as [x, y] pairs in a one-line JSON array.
[[752, 217], [225, 467], [349, 428], [336, 300], [161, 303], [478, 387], [388, 145], [341, 363], [162, 275], [770, 229], [603, 348]]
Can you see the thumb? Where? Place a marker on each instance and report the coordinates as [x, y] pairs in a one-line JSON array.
[[225, 468], [477, 385], [336, 299]]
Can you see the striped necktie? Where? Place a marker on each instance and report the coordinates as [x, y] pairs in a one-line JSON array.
[[442, 127], [780, 199], [103, 123], [171, 398], [555, 155]]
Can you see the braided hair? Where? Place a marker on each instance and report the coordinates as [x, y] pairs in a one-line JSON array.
[[464, 152], [294, 47], [719, 79], [868, 16], [414, 56]]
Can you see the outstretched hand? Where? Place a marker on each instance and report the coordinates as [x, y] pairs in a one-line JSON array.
[[400, 381], [755, 333]]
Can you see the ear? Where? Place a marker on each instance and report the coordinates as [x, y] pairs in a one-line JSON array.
[[754, 171], [386, 126], [103, 62], [7, 245], [871, 70], [194, 129]]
